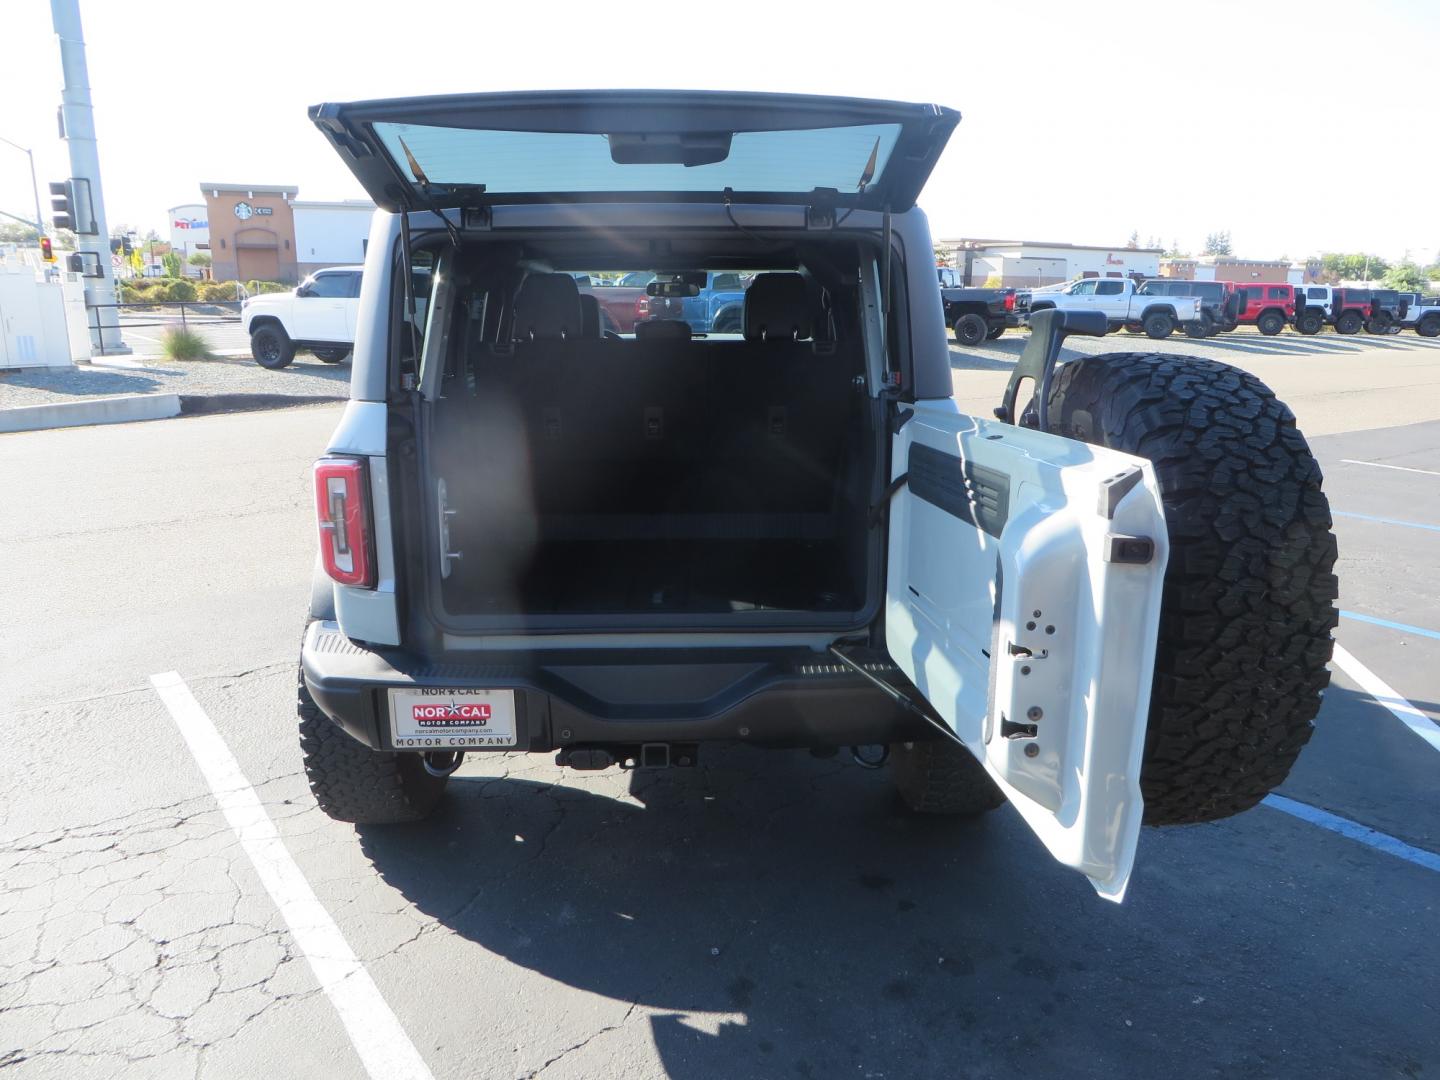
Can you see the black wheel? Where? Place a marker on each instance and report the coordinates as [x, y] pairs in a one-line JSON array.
[[1270, 323], [1310, 323], [1250, 588], [1159, 325], [970, 330], [994, 332], [1377, 325], [330, 356], [271, 346], [1429, 326], [942, 777], [1349, 323], [726, 322], [351, 782], [1201, 328]]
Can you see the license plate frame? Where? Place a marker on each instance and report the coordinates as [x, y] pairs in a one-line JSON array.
[[452, 718]]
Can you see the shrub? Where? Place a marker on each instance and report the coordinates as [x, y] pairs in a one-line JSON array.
[[182, 344], [181, 291], [259, 288], [214, 291]]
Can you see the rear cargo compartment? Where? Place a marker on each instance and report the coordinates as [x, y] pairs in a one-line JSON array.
[[654, 477]]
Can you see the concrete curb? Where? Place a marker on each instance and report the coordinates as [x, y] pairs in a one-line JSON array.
[[127, 408], [120, 409]]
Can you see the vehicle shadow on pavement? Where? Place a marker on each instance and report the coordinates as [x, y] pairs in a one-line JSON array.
[[828, 933]]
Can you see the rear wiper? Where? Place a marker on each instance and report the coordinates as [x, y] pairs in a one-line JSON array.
[[425, 189]]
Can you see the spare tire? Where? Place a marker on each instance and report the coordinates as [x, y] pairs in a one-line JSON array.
[[1250, 588]]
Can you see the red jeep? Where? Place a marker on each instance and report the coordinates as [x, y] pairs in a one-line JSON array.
[[1268, 306]]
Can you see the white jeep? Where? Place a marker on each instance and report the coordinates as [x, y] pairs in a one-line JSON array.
[[319, 315], [1111, 601]]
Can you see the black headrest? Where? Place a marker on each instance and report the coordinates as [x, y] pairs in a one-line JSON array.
[[548, 306], [777, 308], [662, 328], [589, 316]]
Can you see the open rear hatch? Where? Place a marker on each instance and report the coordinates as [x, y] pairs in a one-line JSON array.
[[637, 145]]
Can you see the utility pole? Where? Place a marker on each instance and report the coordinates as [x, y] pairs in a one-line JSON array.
[[77, 128]]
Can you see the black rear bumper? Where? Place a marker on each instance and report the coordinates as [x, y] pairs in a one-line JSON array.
[[775, 697]]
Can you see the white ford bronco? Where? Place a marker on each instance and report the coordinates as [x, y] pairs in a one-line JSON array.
[[319, 315], [1109, 602]]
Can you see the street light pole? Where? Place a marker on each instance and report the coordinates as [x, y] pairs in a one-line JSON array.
[[34, 187]]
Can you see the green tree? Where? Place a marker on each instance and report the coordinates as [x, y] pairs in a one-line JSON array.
[[12, 232], [199, 258], [1338, 266], [171, 262], [1218, 243], [1406, 276], [1134, 241]]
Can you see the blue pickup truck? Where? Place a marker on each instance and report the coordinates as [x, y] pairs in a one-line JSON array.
[[718, 307]]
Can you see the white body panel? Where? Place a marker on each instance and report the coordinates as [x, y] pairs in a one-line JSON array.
[[1069, 634]]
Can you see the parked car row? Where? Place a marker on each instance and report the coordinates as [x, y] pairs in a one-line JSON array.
[[1160, 306]]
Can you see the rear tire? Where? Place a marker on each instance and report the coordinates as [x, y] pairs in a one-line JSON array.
[[994, 332], [330, 356], [942, 777], [271, 347], [353, 783], [970, 330], [1377, 326], [1159, 325], [1309, 324], [1270, 323], [1428, 326], [1250, 585], [1201, 328], [1349, 323]]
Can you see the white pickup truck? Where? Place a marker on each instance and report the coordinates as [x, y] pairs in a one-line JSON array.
[[1158, 316], [318, 315]]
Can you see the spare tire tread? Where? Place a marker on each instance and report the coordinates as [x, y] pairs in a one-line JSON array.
[[1250, 589], [942, 777]]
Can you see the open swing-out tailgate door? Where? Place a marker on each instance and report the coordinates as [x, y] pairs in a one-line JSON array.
[[637, 145], [1023, 600]]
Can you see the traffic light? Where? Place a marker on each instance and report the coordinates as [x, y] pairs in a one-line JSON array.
[[62, 205], [47, 249], [125, 245]]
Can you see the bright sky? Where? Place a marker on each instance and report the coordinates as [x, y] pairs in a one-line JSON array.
[[1082, 122]]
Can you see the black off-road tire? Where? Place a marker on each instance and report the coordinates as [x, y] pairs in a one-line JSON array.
[[942, 777], [330, 356], [994, 332], [1250, 588], [970, 330], [1311, 323], [1200, 328], [271, 347], [1349, 323], [1378, 326], [1429, 326], [351, 782], [1270, 323], [1159, 325]]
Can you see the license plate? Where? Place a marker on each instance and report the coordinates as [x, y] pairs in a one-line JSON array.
[[462, 719]]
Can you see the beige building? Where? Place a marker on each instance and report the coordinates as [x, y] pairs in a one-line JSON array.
[[1030, 263], [252, 231]]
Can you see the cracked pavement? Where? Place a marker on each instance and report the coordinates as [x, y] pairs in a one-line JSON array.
[[763, 915]]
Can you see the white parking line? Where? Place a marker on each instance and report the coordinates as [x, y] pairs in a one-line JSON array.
[[1382, 692], [385, 1050], [1382, 465], [1355, 831]]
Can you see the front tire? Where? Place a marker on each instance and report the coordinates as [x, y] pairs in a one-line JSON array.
[[1309, 324], [970, 330], [1270, 323], [1159, 325], [271, 347], [1349, 323], [1378, 326], [942, 777], [1250, 589], [353, 783]]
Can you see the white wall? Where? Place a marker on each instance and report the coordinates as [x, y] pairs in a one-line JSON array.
[[191, 239], [331, 233]]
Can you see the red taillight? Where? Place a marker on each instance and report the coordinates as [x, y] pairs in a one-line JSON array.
[[343, 514], [1010, 301]]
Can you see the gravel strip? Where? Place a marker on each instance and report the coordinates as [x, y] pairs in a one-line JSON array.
[[305, 378]]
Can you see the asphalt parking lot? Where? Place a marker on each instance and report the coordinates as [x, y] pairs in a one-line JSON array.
[[765, 915]]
